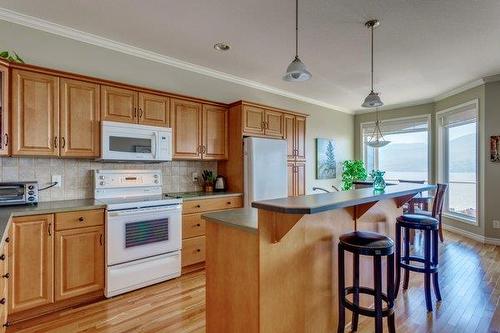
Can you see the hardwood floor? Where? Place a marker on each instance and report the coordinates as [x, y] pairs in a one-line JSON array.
[[469, 278]]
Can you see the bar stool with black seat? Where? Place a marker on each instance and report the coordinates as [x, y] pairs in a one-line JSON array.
[[375, 245], [430, 227]]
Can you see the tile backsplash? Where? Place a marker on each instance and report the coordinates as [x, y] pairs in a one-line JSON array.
[[77, 176]]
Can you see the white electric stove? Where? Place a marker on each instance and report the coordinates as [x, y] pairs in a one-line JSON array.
[[143, 229]]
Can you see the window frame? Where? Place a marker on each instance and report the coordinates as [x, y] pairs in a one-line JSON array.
[[363, 147], [442, 149]]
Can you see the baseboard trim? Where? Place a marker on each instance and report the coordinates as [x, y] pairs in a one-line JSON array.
[[471, 235]]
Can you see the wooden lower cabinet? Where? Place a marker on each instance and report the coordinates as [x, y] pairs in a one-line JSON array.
[[79, 262], [4, 269], [31, 262], [193, 228], [49, 269]]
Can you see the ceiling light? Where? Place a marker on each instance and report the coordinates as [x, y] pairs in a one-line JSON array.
[[222, 47], [373, 99], [296, 71], [377, 139]]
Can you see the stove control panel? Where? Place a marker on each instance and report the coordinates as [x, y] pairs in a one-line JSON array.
[[127, 178]]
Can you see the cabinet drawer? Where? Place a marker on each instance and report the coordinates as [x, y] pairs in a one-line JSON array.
[[192, 225], [79, 219], [193, 251], [204, 205]]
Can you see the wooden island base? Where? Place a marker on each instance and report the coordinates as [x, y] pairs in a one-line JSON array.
[[282, 276]]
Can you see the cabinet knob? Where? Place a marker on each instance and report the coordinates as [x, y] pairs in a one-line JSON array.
[[198, 250], [7, 324], [197, 206], [2, 301], [7, 239], [6, 275], [81, 219], [2, 257], [198, 225], [6, 139], [229, 202]]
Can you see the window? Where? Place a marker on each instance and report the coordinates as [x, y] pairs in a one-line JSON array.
[[407, 156], [458, 156]]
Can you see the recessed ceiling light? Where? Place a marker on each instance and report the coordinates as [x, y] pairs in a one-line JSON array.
[[222, 47]]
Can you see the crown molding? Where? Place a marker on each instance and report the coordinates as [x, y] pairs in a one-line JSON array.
[[81, 36], [460, 89]]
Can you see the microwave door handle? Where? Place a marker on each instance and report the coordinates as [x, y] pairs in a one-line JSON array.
[[154, 144]]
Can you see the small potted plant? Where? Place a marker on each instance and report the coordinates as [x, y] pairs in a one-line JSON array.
[[352, 170], [208, 180]]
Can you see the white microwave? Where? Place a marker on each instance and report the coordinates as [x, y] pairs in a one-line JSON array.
[[133, 142]]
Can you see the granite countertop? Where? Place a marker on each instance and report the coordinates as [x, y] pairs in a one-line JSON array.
[[186, 196], [315, 203], [45, 208], [243, 218]]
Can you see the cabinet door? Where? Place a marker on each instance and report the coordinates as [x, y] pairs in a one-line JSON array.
[[253, 120], [118, 104], [4, 110], [300, 178], [79, 263], [291, 179], [186, 120], [35, 112], [31, 262], [300, 138], [80, 113], [215, 132], [274, 123], [289, 135], [154, 110]]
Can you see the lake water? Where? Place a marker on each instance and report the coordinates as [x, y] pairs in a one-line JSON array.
[[462, 196]]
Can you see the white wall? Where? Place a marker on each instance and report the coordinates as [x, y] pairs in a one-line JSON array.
[[44, 49]]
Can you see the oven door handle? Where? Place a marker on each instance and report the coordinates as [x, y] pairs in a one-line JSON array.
[[131, 212]]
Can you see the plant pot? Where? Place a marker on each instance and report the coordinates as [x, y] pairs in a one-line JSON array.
[[208, 188]]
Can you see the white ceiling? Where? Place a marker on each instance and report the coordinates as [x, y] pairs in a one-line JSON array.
[[423, 47]]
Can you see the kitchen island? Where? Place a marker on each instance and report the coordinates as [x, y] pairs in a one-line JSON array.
[[275, 270]]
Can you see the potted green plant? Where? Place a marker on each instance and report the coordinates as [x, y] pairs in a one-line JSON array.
[[352, 170], [11, 56], [208, 180]]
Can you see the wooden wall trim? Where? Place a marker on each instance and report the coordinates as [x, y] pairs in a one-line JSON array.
[[243, 102], [81, 77]]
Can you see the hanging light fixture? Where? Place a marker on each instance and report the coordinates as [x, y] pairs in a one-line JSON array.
[[377, 139], [296, 71], [373, 99]]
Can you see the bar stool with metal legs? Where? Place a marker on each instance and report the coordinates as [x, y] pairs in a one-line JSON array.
[[430, 227], [374, 245]]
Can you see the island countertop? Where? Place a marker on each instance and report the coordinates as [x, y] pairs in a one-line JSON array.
[[316, 203]]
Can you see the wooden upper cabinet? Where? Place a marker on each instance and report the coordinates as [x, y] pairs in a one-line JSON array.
[[35, 111], [118, 104], [300, 138], [31, 262], [186, 123], [79, 115], [4, 110], [154, 110], [215, 132], [274, 123], [289, 135], [79, 262], [253, 120]]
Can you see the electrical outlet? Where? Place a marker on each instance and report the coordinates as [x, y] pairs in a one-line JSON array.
[[496, 224], [194, 176], [58, 179]]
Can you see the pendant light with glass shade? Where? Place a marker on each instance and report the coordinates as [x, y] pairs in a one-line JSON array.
[[377, 139], [373, 99], [296, 71]]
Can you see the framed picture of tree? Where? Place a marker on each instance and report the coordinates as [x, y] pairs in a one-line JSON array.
[[326, 164]]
